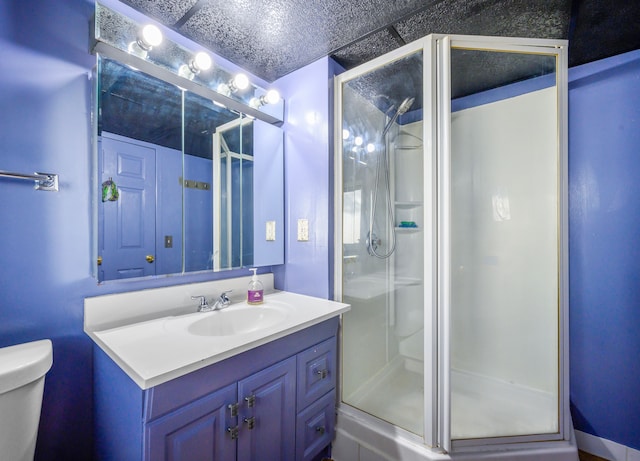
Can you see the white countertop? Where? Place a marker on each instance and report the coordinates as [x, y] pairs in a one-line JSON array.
[[154, 351]]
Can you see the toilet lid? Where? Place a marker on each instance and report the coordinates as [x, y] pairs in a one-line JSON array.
[[24, 363]]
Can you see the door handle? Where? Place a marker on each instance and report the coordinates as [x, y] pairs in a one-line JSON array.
[[149, 258]]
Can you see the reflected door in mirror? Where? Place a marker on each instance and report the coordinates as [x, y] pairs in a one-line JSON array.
[[128, 215]]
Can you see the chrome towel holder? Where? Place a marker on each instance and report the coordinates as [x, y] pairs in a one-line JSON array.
[[44, 181]]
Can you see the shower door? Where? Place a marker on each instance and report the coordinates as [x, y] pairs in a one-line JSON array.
[[233, 206], [385, 220], [502, 234], [451, 241]]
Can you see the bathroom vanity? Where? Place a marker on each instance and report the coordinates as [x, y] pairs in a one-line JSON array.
[[163, 392]]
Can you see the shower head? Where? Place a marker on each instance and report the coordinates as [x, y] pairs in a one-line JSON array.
[[404, 106]]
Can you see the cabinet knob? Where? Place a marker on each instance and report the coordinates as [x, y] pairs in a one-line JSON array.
[[322, 373], [251, 422], [251, 400], [149, 258], [233, 409], [320, 430], [233, 432]]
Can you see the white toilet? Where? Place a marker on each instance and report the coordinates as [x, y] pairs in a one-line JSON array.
[[22, 370]]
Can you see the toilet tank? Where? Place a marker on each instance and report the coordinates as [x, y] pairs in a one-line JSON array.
[[22, 371]]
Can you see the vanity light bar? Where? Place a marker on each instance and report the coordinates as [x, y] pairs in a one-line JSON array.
[[118, 37], [106, 50]]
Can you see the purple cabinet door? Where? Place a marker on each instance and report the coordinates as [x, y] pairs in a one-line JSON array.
[[314, 430], [268, 414], [198, 431]]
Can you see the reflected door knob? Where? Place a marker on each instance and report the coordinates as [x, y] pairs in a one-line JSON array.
[[149, 258]]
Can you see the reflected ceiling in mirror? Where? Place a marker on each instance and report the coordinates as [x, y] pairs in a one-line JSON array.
[[136, 105]]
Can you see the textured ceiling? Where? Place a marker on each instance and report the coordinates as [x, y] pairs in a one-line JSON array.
[[272, 38]]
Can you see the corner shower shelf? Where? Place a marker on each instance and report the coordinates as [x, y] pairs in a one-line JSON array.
[[371, 286], [407, 281], [408, 204], [408, 230]]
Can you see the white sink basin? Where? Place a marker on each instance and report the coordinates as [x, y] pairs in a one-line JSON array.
[[237, 320], [154, 351]]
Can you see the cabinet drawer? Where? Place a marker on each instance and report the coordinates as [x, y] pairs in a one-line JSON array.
[[314, 428], [316, 372]]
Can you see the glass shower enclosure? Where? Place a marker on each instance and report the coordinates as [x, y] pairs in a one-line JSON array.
[[451, 243]]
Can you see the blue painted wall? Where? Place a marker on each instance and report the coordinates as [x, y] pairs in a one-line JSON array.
[[198, 220], [169, 207], [45, 244], [307, 175], [44, 249], [604, 246]]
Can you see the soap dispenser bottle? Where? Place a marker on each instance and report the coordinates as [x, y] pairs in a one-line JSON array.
[[255, 293]]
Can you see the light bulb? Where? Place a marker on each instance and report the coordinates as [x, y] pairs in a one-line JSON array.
[[272, 97], [241, 81], [202, 61], [224, 89], [148, 37], [345, 134], [370, 147], [359, 140], [186, 72], [151, 36], [256, 103]]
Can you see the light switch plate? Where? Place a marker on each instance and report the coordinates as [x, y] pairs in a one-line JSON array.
[[271, 231], [303, 230]]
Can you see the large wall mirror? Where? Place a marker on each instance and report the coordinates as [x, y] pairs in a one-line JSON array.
[[185, 184]]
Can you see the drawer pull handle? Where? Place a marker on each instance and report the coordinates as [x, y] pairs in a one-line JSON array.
[[251, 422], [233, 432], [322, 373], [321, 430], [233, 409], [251, 400]]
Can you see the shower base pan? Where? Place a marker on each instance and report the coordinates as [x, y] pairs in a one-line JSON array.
[[481, 407]]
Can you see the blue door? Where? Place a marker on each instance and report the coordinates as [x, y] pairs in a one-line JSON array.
[[128, 243]]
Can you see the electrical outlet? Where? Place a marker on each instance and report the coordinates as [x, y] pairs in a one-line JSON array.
[[303, 230], [271, 231]]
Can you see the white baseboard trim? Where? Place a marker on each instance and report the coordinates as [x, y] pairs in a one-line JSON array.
[[604, 448]]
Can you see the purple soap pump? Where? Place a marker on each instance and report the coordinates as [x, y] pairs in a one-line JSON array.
[[255, 293]]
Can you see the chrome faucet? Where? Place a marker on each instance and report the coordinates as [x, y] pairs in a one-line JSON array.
[[204, 305], [222, 302]]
